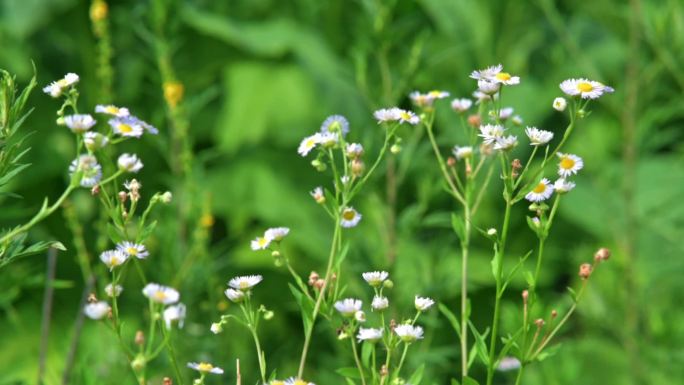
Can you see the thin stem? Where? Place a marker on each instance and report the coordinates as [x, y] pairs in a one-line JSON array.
[[442, 164], [518, 378], [401, 361], [172, 352], [358, 362], [465, 246]]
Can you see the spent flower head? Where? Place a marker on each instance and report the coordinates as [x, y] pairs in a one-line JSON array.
[[113, 290]]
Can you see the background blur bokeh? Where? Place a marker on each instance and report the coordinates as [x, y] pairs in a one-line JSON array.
[[259, 75]]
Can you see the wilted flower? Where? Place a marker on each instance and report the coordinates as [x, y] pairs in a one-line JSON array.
[[236, 296], [379, 303], [506, 143], [161, 294], [423, 303], [350, 217], [113, 258], [541, 192], [204, 367], [462, 152], [559, 104], [538, 137], [113, 290], [94, 140], [461, 105], [375, 278], [96, 310], [56, 88], [569, 164], [79, 123], [335, 124], [276, 233], [308, 144], [409, 333], [91, 171], [133, 249], [245, 282], [562, 186], [129, 162], [112, 110], [174, 313], [586, 89], [318, 195], [369, 334], [349, 306]]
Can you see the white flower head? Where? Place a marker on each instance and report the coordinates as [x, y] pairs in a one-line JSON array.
[[427, 99], [308, 144], [204, 367], [295, 381], [96, 310], [354, 150], [491, 132], [350, 217], [335, 124], [379, 303], [91, 171], [409, 333], [129, 162], [131, 249], [360, 316], [349, 306], [276, 233], [506, 143], [113, 290], [173, 314], [541, 192], [369, 334], [329, 139], [56, 88], [318, 195], [79, 123], [406, 116], [569, 164], [464, 152], [562, 186], [584, 88], [113, 258], [423, 303], [161, 294], [245, 282], [559, 104], [488, 87], [112, 110], [216, 328], [94, 140], [483, 97], [461, 105], [260, 243], [487, 73], [508, 363], [127, 126], [375, 278], [386, 115], [538, 137], [236, 296], [505, 113]]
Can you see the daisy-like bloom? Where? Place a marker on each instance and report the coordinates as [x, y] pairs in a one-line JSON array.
[[205, 367], [260, 243], [369, 334], [113, 290], [487, 73], [569, 164], [409, 333], [488, 87], [245, 282], [506, 143], [348, 307], [354, 150], [379, 303], [423, 303], [541, 192], [113, 258], [491, 132], [505, 113], [276, 233], [94, 140], [335, 124], [56, 88], [561, 186], [308, 144], [96, 310], [350, 217], [79, 123], [297, 381], [584, 88], [129, 162], [133, 249], [112, 110], [387, 114], [538, 137], [375, 278], [508, 363], [318, 195], [461, 105], [148, 127], [438, 94], [91, 171], [173, 314], [462, 152], [276, 382], [428, 99], [559, 104], [236, 296], [408, 117], [161, 294], [127, 126]]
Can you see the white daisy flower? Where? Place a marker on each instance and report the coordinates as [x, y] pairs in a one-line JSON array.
[[56, 88], [354, 150], [97, 310], [113, 290], [438, 94], [133, 249], [508, 363], [349, 306], [350, 217], [173, 314], [128, 126], [113, 258], [421, 100], [335, 124], [276, 233], [148, 127], [569, 164], [328, 139], [561, 186], [491, 132], [112, 110], [297, 381], [260, 243], [94, 140], [129, 162], [488, 87], [461, 105], [318, 195], [541, 192], [482, 97], [245, 282], [369, 334], [79, 123], [423, 303], [487, 73], [585, 88], [375, 278], [91, 171], [308, 144], [236, 296], [559, 104], [408, 117], [387, 114], [161, 294], [462, 152], [379, 303], [538, 137], [204, 367], [506, 143], [409, 333]]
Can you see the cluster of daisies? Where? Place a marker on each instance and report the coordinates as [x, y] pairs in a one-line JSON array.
[[568, 165]]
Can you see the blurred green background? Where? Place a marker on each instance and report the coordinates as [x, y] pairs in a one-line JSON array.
[[259, 75]]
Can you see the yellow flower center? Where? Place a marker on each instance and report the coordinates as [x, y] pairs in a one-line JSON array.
[[244, 285], [204, 367], [585, 87], [115, 261], [435, 94], [111, 110], [276, 382], [262, 242], [160, 296], [567, 163], [540, 188], [132, 251], [300, 382], [405, 115], [125, 128], [503, 76], [310, 143], [348, 215]]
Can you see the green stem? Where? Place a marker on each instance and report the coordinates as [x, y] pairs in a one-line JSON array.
[[465, 246], [401, 361], [442, 164], [172, 352], [518, 378], [358, 362]]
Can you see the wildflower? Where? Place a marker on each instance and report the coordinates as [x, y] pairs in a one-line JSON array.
[[216, 327], [559, 104], [488, 87], [166, 197], [387, 115], [204, 368], [505, 113], [161, 294], [318, 195], [487, 73], [569, 164], [335, 124], [603, 254], [277, 233], [127, 126], [491, 132], [538, 137], [148, 127], [348, 307], [423, 303], [236, 296], [586, 89], [541, 192], [438, 94], [350, 217], [96, 310], [379, 303], [408, 117], [91, 171], [79, 123], [112, 110], [354, 150], [369, 334], [129, 162], [245, 282], [56, 88], [308, 144], [585, 271], [409, 333], [562, 186], [260, 243], [508, 363], [360, 316], [461, 105], [297, 381], [113, 290], [506, 143], [173, 314], [328, 139], [375, 278], [483, 97], [133, 249], [113, 258], [94, 141], [428, 99], [517, 120], [462, 152]]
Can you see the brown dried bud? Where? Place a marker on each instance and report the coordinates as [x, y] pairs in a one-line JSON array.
[[92, 298], [516, 165], [139, 338], [319, 284], [167, 381], [554, 314], [525, 295], [313, 277], [451, 161], [474, 120], [95, 190], [539, 322], [602, 254], [357, 167], [123, 196], [392, 324], [383, 371], [585, 270]]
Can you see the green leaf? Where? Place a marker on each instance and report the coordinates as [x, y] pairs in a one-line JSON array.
[[480, 344], [453, 319], [147, 231], [417, 376], [349, 372], [458, 224], [366, 352], [305, 306], [470, 381]]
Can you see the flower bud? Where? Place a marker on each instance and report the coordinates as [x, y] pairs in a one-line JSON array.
[[318, 165], [268, 315], [139, 338], [395, 149], [554, 314], [451, 161], [474, 120], [360, 316], [138, 363], [122, 196], [388, 284], [491, 232], [525, 295], [559, 104], [60, 121], [95, 190], [581, 113], [357, 167], [216, 327], [166, 197], [539, 322], [585, 270], [602, 254], [167, 381]]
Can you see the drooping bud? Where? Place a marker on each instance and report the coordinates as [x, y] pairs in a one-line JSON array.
[[122, 196], [554, 314], [585, 270]]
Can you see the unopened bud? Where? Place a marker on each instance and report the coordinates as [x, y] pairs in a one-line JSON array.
[[468, 169], [357, 167], [167, 381], [360, 316], [395, 149], [451, 161], [525, 295], [268, 315], [313, 277], [138, 363], [602, 254], [474, 120], [388, 284], [216, 327], [392, 324], [60, 121], [122, 196], [585, 270], [491, 232], [581, 114], [95, 190], [539, 322], [319, 284], [554, 314], [139, 338], [166, 197], [516, 165], [318, 165], [383, 371]]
